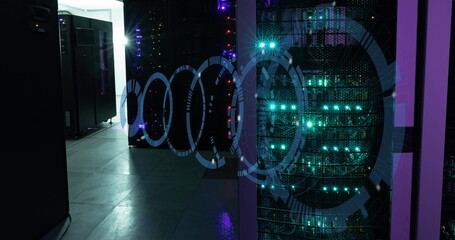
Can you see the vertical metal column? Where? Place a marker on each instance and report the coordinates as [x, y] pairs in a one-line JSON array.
[[406, 54], [246, 34], [436, 71]]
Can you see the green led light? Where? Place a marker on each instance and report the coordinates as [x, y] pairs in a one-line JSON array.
[[335, 189], [336, 107], [346, 189], [335, 148], [309, 124], [273, 186], [324, 188], [358, 108], [272, 146], [324, 147], [320, 17], [293, 187], [346, 149], [320, 123], [283, 107], [347, 107], [272, 106], [325, 83], [320, 82], [325, 107], [310, 17], [272, 45], [262, 186], [356, 189], [283, 147], [309, 82], [262, 44], [293, 107], [357, 149]]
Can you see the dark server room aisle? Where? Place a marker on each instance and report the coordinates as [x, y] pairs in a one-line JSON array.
[[117, 192]]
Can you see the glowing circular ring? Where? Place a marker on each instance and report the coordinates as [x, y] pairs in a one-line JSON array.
[[160, 76], [298, 138], [217, 60], [189, 151], [132, 86]]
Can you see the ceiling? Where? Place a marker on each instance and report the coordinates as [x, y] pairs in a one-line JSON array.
[[92, 4]]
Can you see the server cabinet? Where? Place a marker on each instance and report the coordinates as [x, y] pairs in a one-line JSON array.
[[36, 188], [325, 118], [175, 39], [88, 72]]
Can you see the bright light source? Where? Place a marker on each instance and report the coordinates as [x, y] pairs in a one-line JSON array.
[[283, 107], [325, 107], [272, 106], [283, 147], [272, 146], [293, 107], [309, 124], [121, 40], [90, 4], [272, 45], [335, 189], [262, 45]]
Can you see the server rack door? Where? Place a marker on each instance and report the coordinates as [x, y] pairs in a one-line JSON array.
[[103, 71], [36, 189], [325, 78]]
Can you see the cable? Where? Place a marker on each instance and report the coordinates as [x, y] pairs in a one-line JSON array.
[[66, 230]]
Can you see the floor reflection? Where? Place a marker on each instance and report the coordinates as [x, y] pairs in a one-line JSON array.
[[121, 193]]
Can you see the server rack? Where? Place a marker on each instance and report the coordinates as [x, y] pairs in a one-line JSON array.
[[34, 157], [322, 123], [88, 72], [163, 37]]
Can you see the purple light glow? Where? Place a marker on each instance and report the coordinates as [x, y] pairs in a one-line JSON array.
[[225, 227], [141, 126], [222, 5], [138, 29]]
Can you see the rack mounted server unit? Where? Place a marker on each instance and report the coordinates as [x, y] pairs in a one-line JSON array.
[[323, 121], [88, 72], [165, 36]]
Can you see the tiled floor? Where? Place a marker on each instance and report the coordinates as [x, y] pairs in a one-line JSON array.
[[120, 193]]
